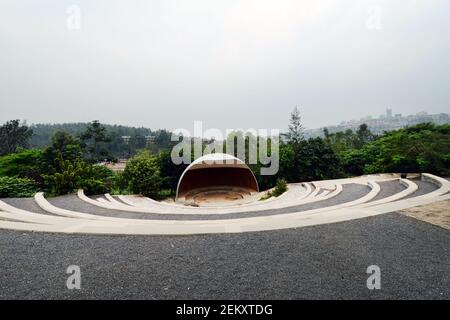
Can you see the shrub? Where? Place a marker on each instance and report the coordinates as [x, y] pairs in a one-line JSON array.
[[280, 187], [97, 179], [94, 179], [67, 179], [143, 175], [13, 187], [20, 164]]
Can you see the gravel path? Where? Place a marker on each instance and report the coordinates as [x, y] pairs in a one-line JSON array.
[[424, 187], [320, 262], [27, 204], [389, 188]]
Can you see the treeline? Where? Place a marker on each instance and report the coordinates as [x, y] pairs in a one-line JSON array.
[[123, 141], [69, 161]]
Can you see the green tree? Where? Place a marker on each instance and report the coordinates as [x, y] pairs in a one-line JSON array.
[[318, 161], [170, 173], [421, 148], [63, 145], [142, 174], [363, 136], [94, 136], [295, 133], [14, 135]]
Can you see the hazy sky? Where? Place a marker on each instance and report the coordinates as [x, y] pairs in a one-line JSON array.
[[230, 63]]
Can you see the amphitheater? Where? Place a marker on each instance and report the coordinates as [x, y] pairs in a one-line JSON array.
[[303, 204]]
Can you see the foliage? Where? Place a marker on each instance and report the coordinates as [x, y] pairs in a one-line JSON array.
[[24, 163], [67, 178], [63, 146], [14, 187], [98, 179], [94, 137], [14, 135], [143, 175], [318, 161], [420, 148], [280, 187], [169, 171], [116, 146], [71, 176], [343, 141], [295, 132]]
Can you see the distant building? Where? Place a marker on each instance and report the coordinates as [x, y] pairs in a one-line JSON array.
[[385, 122], [388, 113]]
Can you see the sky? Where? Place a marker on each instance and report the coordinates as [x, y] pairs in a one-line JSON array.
[[229, 63]]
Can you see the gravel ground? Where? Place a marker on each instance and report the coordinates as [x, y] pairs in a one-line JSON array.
[[389, 188], [72, 202], [25, 204], [320, 262], [424, 187]]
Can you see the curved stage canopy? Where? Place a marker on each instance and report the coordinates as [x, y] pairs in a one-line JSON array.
[[215, 172]]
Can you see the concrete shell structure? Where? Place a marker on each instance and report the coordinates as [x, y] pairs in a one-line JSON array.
[[216, 171]]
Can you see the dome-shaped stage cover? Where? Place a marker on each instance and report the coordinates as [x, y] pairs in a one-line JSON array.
[[216, 171]]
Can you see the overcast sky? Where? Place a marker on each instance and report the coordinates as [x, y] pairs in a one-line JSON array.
[[230, 63]]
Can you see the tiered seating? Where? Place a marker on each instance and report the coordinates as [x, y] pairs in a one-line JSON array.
[[303, 204]]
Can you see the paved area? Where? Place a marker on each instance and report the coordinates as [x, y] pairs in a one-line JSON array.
[[437, 213], [318, 262]]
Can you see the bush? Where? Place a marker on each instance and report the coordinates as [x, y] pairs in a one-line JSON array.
[[280, 187], [20, 164], [97, 179], [70, 177], [67, 179], [13, 187], [143, 175]]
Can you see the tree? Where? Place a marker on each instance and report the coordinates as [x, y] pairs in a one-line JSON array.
[[420, 148], [170, 172], [14, 135], [94, 135], [295, 133], [318, 161], [364, 136], [290, 154], [143, 176]]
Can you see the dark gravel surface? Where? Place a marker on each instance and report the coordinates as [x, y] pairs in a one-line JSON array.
[[424, 187], [389, 188], [25, 204], [319, 262], [72, 202]]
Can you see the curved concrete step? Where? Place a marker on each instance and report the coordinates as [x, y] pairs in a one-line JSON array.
[[350, 210], [82, 216], [146, 205]]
